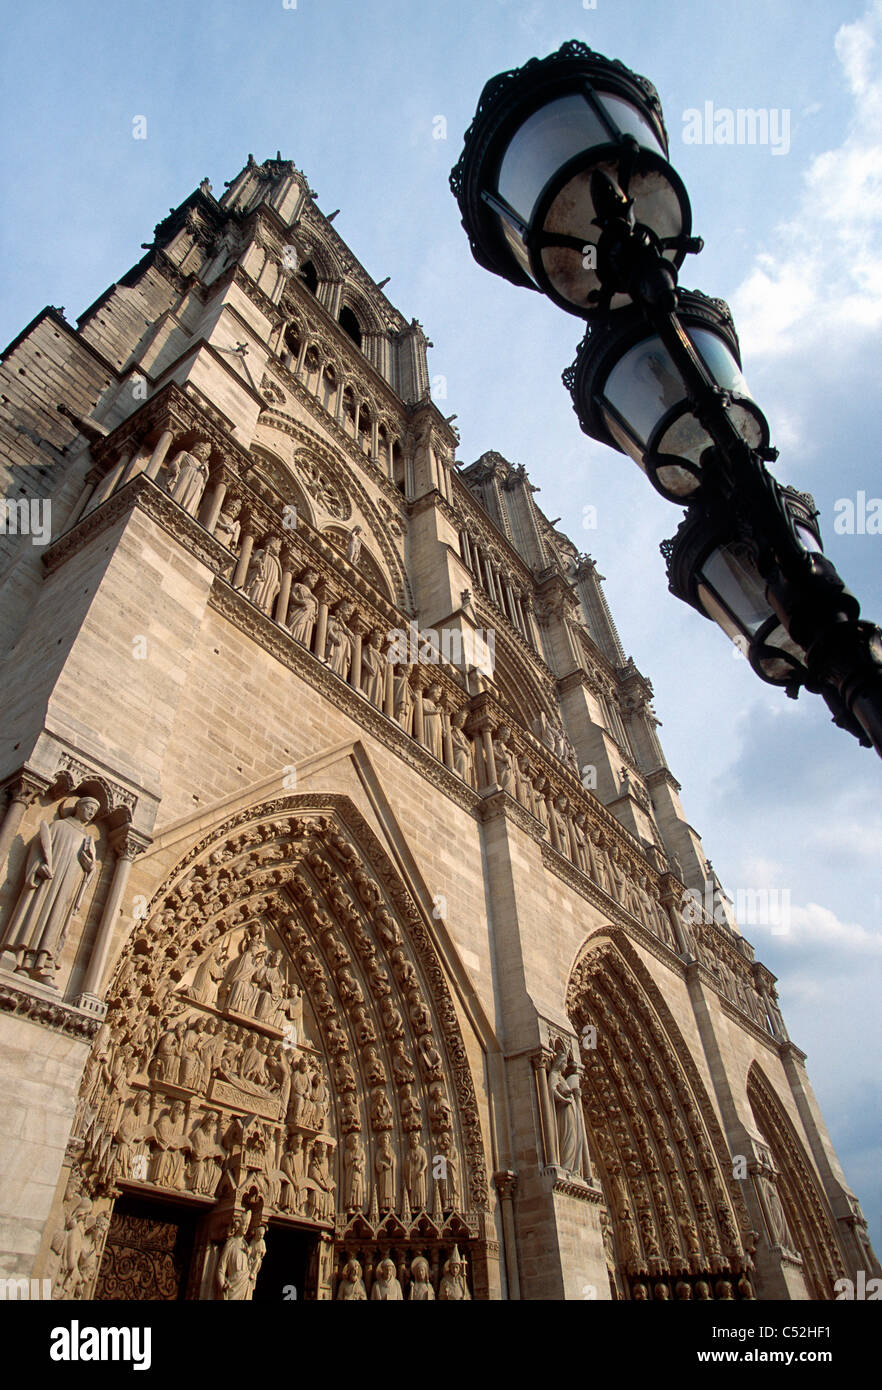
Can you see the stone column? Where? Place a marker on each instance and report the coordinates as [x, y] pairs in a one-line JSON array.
[[126, 846], [553, 832], [491, 582], [135, 466], [447, 741], [389, 690], [418, 730], [357, 631], [157, 458], [506, 1183], [284, 596], [530, 617], [110, 480], [321, 625], [489, 758], [83, 500], [23, 790], [546, 1112], [246, 545], [213, 504]]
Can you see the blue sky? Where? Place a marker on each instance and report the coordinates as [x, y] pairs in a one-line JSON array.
[[352, 93]]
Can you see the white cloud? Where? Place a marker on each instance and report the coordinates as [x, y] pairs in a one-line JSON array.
[[813, 925], [821, 279]]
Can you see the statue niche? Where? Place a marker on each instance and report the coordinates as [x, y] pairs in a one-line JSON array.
[[60, 863]]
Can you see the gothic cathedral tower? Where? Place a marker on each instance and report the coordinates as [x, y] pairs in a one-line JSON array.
[[353, 935]]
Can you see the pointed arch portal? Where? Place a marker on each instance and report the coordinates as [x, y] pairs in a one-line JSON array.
[[796, 1212], [676, 1225], [281, 1083]]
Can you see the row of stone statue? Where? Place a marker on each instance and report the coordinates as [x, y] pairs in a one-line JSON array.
[[289, 1167], [389, 1280], [724, 1290], [198, 1048]]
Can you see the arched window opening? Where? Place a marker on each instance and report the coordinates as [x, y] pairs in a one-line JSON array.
[[364, 429], [309, 276], [349, 323], [349, 410], [398, 468], [329, 388], [292, 345]]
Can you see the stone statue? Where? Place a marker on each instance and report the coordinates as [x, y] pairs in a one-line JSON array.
[[60, 864], [256, 1252], [265, 575], [448, 1184], [353, 546], [384, 1170], [205, 1154], [239, 988], [320, 1182], [187, 475], [271, 989], [351, 1287], [433, 721], [93, 1245], [440, 1114], [68, 1245], [209, 974], [338, 649], [463, 758], [354, 1164], [421, 1290], [386, 1286], [502, 759], [567, 1100], [373, 669], [303, 607], [402, 698], [778, 1227], [234, 1266], [453, 1281], [381, 1110], [416, 1165], [169, 1144], [228, 528]]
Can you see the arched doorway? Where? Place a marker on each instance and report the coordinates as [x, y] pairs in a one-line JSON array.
[[797, 1216], [676, 1225], [280, 1083]]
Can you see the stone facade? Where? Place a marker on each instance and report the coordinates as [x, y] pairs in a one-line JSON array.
[[346, 938]]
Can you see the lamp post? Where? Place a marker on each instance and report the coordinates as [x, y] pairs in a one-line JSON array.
[[565, 187]]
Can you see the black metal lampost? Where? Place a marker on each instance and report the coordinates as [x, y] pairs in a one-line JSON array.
[[565, 187]]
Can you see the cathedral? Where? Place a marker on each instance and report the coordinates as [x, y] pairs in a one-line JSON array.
[[354, 943]]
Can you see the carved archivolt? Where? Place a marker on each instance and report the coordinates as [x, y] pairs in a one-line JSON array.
[[280, 1039], [313, 453], [791, 1199], [679, 1224]]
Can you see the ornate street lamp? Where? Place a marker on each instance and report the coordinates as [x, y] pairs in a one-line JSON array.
[[630, 394], [525, 182], [714, 568], [564, 186]]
